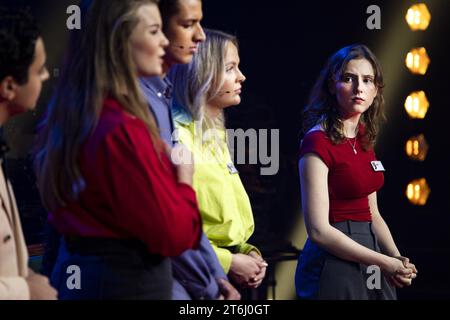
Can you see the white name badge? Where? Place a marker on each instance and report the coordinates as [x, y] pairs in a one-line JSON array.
[[377, 166], [232, 168]]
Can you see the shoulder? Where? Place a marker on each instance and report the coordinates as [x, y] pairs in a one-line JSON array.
[[315, 138], [317, 142], [114, 113], [114, 122]]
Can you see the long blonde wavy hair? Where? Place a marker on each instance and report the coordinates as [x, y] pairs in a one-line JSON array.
[[98, 63]]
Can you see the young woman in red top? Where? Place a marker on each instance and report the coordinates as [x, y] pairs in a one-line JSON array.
[[340, 177], [103, 172]]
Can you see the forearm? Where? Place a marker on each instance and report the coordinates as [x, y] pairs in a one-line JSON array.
[[385, 239], [342, 246], [14, 288]]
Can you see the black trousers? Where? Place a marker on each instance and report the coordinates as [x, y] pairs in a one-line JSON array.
[[323, 276], [93, 269]]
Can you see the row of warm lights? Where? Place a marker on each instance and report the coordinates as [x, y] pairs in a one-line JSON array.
[[418, 192], [417, 148], [418, 17], [417, 105], [417, 61]]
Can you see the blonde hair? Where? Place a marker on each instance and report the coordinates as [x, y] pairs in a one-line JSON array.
[[98, 64], [201, 80]]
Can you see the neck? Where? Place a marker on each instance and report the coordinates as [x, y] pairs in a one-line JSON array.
[[166, 67], [351, 126], [213, 111], [4, 113]]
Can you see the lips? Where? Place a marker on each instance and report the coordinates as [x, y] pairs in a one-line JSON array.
[[358, 100]]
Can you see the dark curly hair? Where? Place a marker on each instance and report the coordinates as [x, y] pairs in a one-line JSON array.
[[18, 36], [322, 105]]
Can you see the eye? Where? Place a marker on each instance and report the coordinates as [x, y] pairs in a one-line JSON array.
[[369, 80], [229, 68], [347, 79], [154, 31]]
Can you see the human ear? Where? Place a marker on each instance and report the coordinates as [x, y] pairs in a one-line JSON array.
[[8, 87]]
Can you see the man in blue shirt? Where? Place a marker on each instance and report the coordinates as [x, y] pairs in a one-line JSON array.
[[197, 273]]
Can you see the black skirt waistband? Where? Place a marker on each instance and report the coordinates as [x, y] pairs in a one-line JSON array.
[[351, 227]]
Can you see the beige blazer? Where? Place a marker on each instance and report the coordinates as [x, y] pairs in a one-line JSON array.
[[13, 251]]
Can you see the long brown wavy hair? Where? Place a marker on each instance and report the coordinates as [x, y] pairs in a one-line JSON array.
[[322, 107], [98, 64]]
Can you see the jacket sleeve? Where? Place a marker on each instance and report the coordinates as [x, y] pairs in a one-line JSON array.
[[14, 288], [245, 248], [225, 256], [210, 256], [146, 198]]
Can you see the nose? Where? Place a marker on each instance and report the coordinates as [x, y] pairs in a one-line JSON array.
[[45, 76], [164, 41], [241, 78], [199, 35], [357, 86]]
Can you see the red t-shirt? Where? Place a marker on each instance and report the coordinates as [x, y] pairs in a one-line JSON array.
[[351, 177], [131, 191]]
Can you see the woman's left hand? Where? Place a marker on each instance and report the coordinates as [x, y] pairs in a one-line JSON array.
[[407, 264], [256, 281]]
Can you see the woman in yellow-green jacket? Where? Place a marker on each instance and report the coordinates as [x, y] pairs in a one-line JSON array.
[[210, 83]]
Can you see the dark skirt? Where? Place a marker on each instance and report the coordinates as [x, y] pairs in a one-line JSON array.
[[94, 268], [323, 276]]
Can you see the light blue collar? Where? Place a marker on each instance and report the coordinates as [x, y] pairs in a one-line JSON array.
[[180, 114]]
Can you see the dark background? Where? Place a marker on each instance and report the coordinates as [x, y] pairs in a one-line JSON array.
[[283, 46]]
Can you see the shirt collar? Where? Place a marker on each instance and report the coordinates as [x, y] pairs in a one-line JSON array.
[[161, 86], [180, 114]]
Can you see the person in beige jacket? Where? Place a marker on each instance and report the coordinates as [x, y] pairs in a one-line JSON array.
[[22, 72]]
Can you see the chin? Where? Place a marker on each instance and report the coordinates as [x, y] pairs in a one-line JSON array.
[[234, 102], [159, 72], [363, 109], [357, 108], [151, 73], [183, 58]]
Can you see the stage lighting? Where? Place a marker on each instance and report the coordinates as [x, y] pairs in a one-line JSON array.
[[417, 61], [418, 192], [417, 148], [418, 17], [417, 105]]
